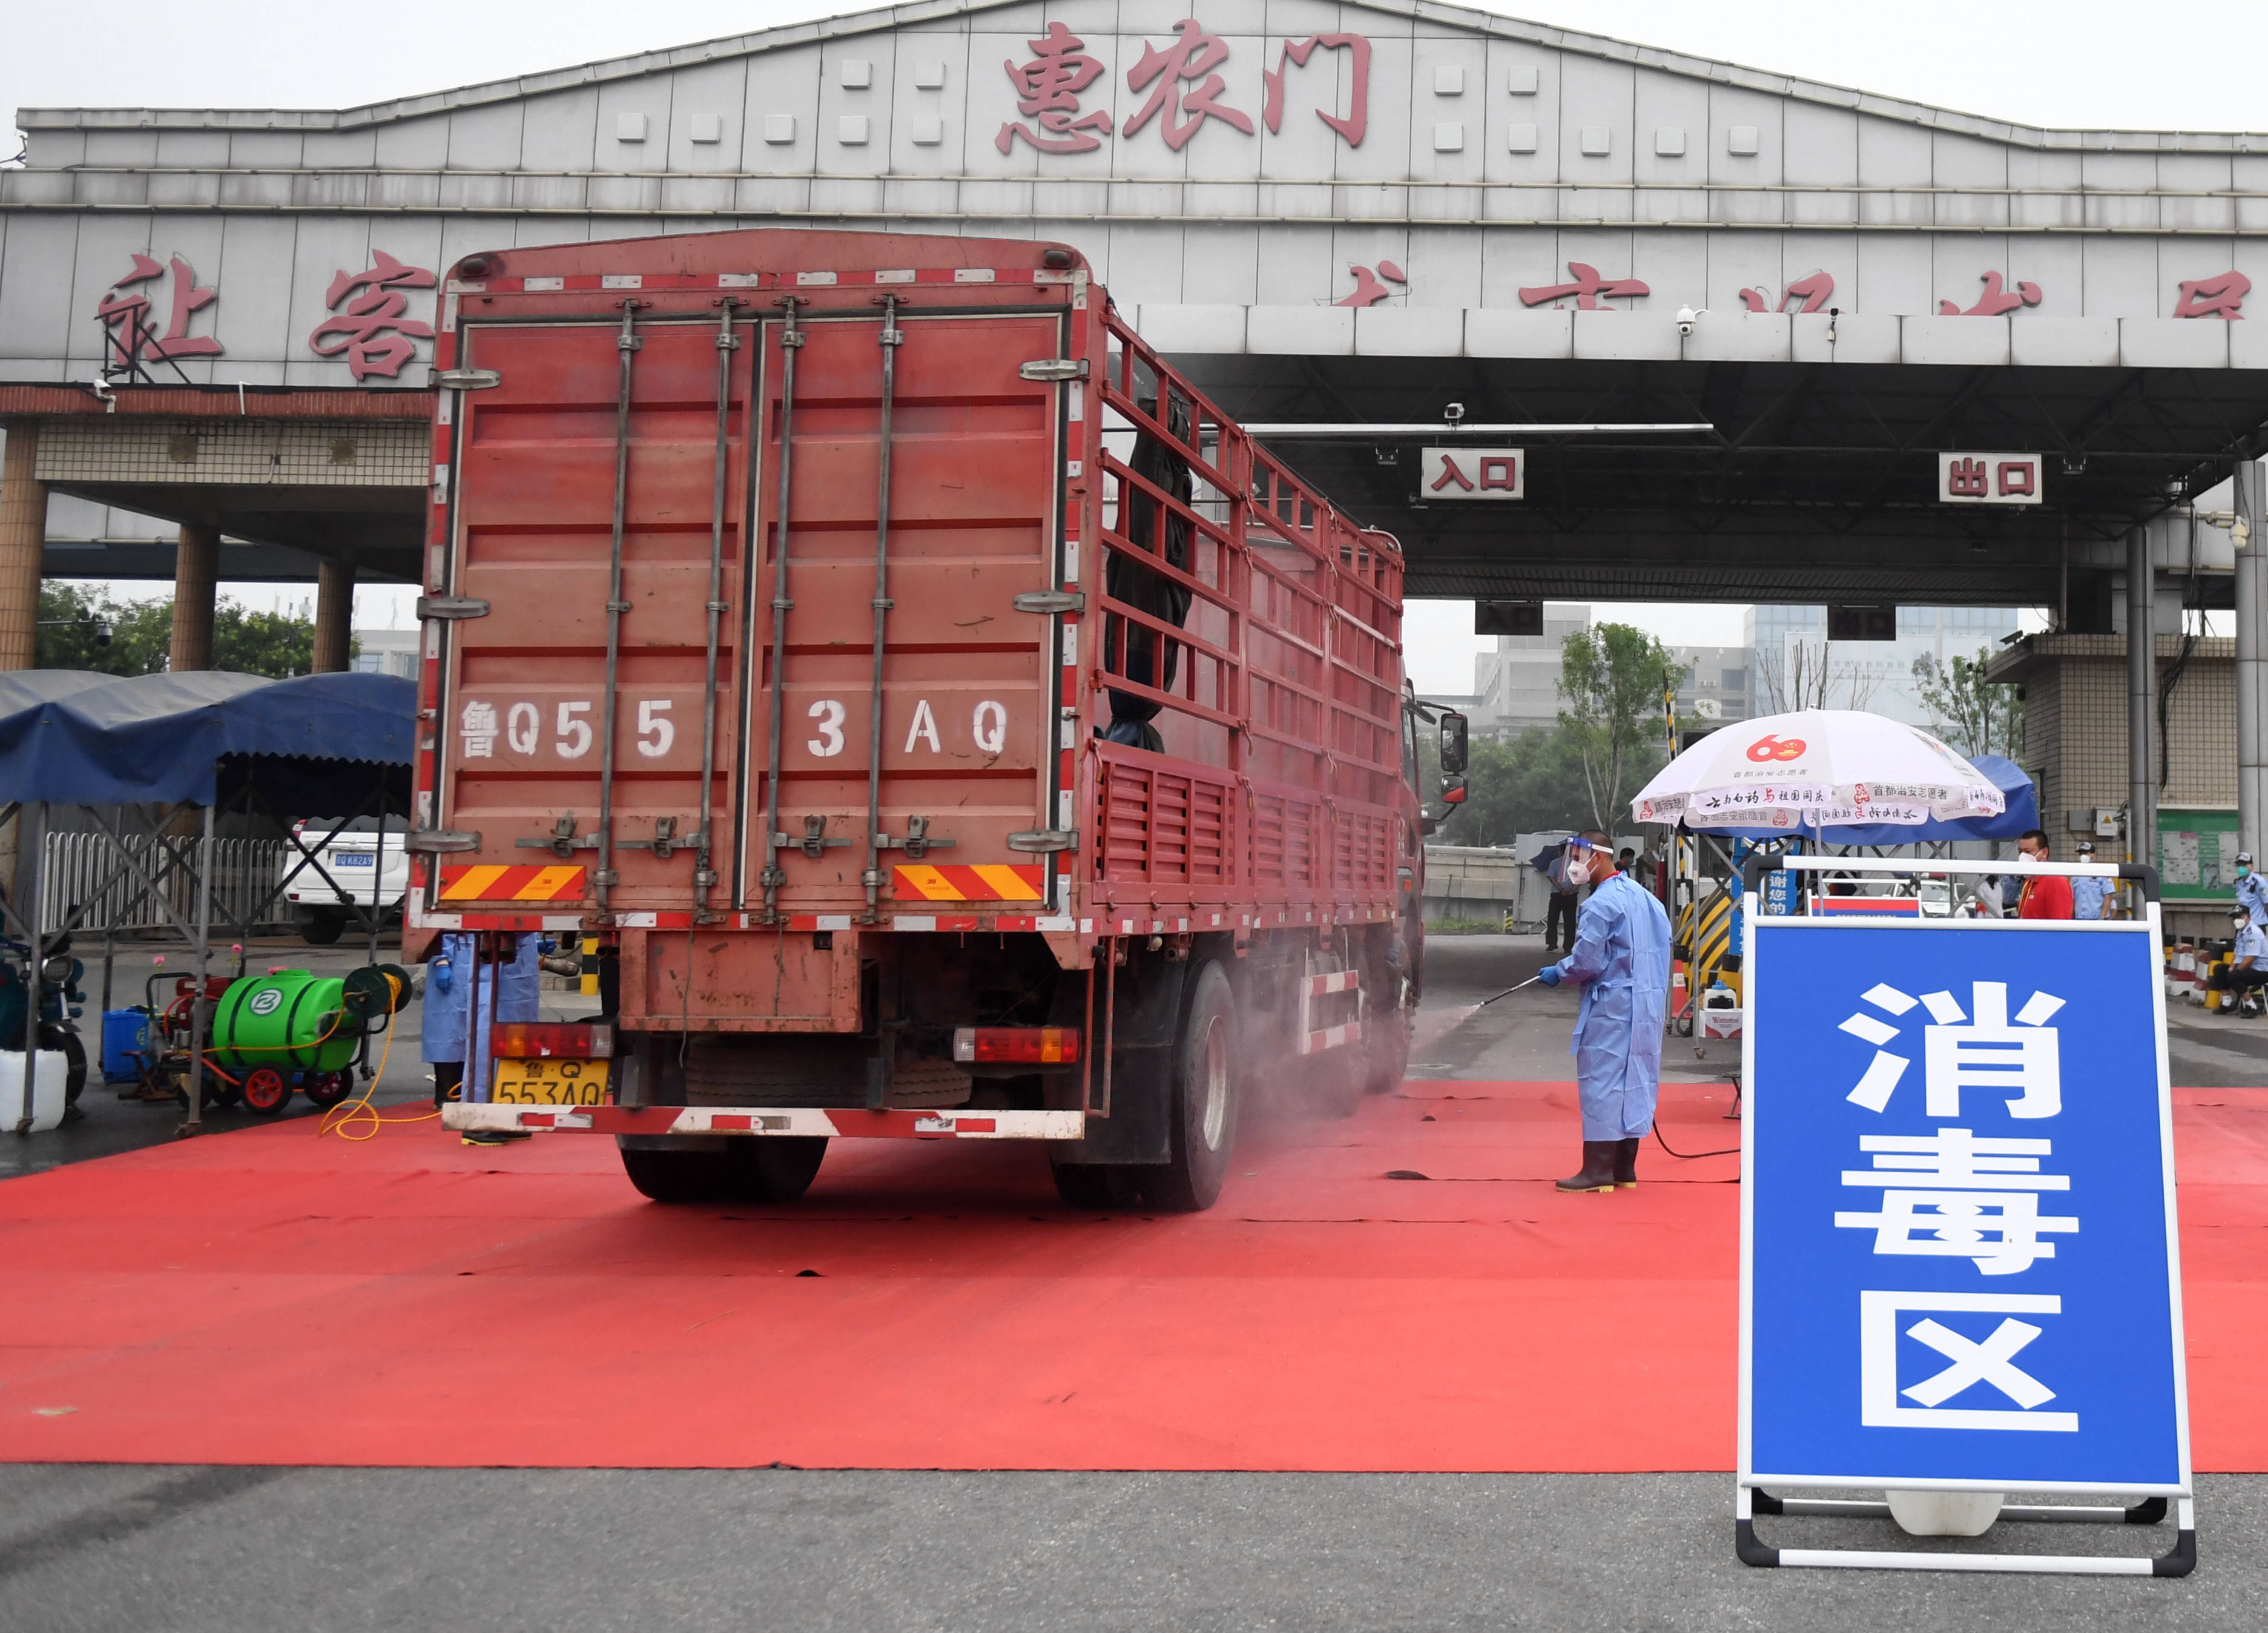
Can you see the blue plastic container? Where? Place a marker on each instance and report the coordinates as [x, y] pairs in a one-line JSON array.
[[124, 1030]]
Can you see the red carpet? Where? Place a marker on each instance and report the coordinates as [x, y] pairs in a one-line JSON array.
[[268, 1297]]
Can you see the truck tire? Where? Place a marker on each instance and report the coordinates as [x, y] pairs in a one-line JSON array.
[[745, 1170], [776, 1169], [1202, 1116], [1389, 1051], [322, 930]]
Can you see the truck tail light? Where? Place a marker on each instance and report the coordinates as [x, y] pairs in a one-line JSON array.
[[1016, 1045], [533, 1039]]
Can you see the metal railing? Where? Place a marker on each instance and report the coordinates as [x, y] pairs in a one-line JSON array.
[[245, 870]]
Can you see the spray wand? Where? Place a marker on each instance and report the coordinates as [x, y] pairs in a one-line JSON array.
[[1508, 991]]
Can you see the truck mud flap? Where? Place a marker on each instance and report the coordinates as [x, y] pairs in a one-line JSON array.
[[1144, 1022]]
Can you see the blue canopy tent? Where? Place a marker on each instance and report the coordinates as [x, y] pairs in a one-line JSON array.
[[332, 746], [104, 740]]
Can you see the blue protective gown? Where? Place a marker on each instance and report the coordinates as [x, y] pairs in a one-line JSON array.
[[2252, 894], [1622, 958], [507, 991]]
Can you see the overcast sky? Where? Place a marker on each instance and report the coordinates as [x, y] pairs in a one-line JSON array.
[[2085, 64]]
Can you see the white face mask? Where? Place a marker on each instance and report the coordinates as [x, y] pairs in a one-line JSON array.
[[2028, 858], [1579, 870]]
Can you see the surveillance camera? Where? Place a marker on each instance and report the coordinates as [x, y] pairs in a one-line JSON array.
[[1454, 412], [1686, 317]]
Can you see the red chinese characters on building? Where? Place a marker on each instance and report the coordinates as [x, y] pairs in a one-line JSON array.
[[1997, 301], [1047, 93], [1812, 292], [2213, 298], [1193, 57], [127, 311], [1589, 289], [374, 331], [1357, 122], [1368, 292]]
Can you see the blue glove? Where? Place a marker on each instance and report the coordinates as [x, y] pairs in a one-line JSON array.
[[443, 976], [1550, 975]]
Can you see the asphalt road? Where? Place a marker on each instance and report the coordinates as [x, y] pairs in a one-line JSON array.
[[243, 1549]]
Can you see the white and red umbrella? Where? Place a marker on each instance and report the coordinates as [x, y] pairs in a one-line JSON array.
[[1815, 768]]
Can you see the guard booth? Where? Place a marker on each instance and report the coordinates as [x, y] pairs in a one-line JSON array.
[[1960, 1265]]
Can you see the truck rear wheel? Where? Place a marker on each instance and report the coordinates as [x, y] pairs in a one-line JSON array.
[[750, 1170], [1203, 1112]]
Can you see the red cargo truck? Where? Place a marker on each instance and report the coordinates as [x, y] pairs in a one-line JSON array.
[[947, 722]]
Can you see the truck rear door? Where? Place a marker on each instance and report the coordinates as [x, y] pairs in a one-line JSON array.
[[929, 420], [576, 470], [540, 520]]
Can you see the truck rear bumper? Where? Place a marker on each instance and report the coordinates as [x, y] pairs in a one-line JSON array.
[[832, 1122]]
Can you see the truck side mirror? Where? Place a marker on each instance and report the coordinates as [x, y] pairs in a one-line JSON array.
[[1452, 790], [1453, 746]]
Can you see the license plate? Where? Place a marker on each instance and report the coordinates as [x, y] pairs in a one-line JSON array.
[[348, 858], [551, 1082]]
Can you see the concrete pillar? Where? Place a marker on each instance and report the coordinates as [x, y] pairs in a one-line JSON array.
[[196, 568], [334, 585], [23, 542], [2251, 661], [2141, 700]]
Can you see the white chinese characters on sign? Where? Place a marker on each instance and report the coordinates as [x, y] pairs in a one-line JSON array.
[[1473, 473], [1952, 1194], [1988, 478]]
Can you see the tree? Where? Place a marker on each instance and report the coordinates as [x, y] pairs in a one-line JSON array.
[[142, 636], [73, 622], [1612, 679], [1804, 677], [1531, 784], [1973, 714]]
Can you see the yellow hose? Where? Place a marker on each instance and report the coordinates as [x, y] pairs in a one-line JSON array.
[[358, 1119]]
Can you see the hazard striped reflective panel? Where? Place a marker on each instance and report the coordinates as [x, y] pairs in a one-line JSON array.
[[976, 882], [489, 882]]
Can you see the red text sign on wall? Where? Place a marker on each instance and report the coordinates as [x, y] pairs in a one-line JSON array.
[[128, 312], [374, 332], [1193, 55], [1047, 93], [1997, 301], [1589, 289], [1988, 478], [1473, 473], [2213, 298], [1368, 291], [1358, 115]]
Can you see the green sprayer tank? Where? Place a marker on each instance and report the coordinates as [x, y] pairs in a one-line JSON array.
[[296, 1020]]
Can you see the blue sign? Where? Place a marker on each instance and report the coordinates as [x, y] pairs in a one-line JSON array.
[[1958, 1238]]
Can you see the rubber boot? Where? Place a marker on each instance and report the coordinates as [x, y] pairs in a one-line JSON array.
[[1598, 1168], [1626, 1161]]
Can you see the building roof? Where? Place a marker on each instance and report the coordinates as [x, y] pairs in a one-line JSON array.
[[883, 19]]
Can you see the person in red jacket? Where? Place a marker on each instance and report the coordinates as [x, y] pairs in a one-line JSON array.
[[2046, 895]]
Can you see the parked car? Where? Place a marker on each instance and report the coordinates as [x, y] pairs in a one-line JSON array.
[[358, 876]]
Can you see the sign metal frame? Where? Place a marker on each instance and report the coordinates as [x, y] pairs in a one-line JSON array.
[[1752, 1493]]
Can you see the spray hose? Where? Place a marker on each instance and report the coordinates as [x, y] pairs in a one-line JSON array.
[[357, 1120], [1730, 1150]]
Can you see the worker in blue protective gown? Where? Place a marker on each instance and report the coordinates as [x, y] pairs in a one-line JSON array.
[[1622, 959], [469, 988]]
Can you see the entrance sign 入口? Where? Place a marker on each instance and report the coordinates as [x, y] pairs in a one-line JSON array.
[[1472, 473], [1959, 1269]]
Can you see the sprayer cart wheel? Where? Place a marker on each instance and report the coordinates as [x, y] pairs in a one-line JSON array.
[[326, 1089], [266, 1090]]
